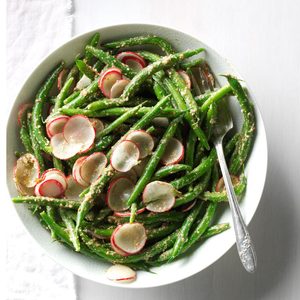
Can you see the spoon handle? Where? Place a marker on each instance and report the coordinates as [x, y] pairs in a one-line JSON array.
[[243, 240]]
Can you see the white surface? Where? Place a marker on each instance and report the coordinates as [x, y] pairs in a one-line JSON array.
[[30, 273], [261, 38], [212, 248]]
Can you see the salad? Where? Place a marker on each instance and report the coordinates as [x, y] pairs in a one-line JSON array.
[[118, 161]]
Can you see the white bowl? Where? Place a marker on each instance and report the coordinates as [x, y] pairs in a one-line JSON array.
[[210, 250]]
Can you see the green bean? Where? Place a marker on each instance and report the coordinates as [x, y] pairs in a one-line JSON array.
[[73, 73], [37, 124], [85, 69], [247, 135], [153, 162], [168, 170], [161, 231], [51, 211], [190, 148], [67, 219], [103, 213], [200, 99], [216, 96], [163, 63], [195, 193], [73, 96], [192, 63], [57, 164], [211, 118], [142, 40], [44, 201], [133, 211], [100, 233], [184, 231], [59, 101], [111, 61], [92, 42], [24, 132], [150, 56]]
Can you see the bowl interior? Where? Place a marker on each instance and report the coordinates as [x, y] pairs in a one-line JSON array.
[[210, 250]]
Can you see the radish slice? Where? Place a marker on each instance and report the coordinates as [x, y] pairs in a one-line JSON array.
[[174, 152], [56, 125], [60, 79], [121, 273], [74, 189], [220, 186], [140, 167], [97, 124], [118, 193], [118, 88], [108, 79], [131, 174], [116, 249], [133, 63], [76, 171], [26, 171], [92, 167], [185, 77], [125, 156], [83, 83], [159, 196], [57, 175], [79, 131], [21, 110], [160, 122], [143, 140], [188, 206], [23, 190], [130, 238], [62, 149], [129, 54], [124, 214], [49, 188]]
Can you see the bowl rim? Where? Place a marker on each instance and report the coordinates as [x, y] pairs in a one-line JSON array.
[[114, 27]]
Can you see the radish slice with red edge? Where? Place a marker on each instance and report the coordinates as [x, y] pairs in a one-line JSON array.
[[57, 175], [185, 77], [125, 156], [79, 131], [21, 111], [188, 206], [23, 190], [108, 79], [131, 175], [123, 56], [97, 124], [143, 140], [62, 149], [49, 188], [220, 186], [121, 274], [74, 189], [116, 249], [83, 83], [159, 196], [76, 171], [56, 125], [118, 88], [124, 214], [118, 193], [140, 167], [161, 122], [92, 167], [26, 171], [174, 152], [133, 63], [129, 237]]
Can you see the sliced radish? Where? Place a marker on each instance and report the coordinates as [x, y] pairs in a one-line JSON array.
[[116, 249], [220, 186], [97, 124], [108, 79], [159, 196], [174, 152], [129, 54], [57, 175], [79, 131], [185, 77], [143, 140], [133, 63], [124, 214], [121, 273], [92, 167], [160, 121], [22, 109], [129, 237], [74, 189], [118, 193], [23, 190], [188, 206], [56, 125], [118, 88], [60, 79], [125, 156], [62, 149], [27, 171], [83, 82], [76, 171], [131, 174], [49, 188], [140, 167]]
